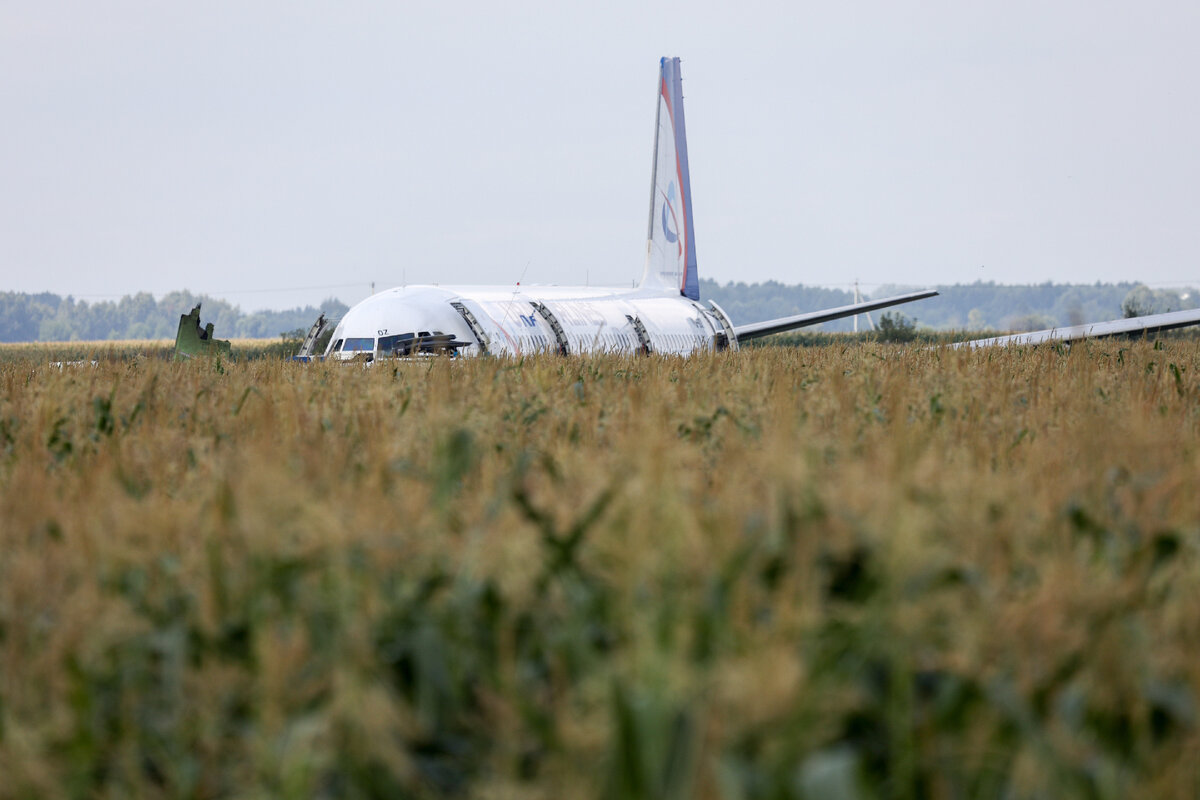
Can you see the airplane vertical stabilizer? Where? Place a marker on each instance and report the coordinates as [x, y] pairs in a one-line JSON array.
[[671, 242]]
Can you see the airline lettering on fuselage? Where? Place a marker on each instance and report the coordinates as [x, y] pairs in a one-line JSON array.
[[530, 321]]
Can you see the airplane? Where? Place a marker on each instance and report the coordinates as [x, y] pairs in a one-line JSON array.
[[663, 314]]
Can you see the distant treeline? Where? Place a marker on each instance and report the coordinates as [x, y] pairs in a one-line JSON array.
[[975, 306], [47, 317]]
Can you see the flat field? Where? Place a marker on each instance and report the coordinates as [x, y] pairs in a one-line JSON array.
[[130, 349], [859, 571]]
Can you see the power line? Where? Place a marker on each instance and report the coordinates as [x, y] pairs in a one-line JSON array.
[[1186, 283], [291, 288], [280, 289]]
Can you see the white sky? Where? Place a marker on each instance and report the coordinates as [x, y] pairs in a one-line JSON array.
[[275, 153]]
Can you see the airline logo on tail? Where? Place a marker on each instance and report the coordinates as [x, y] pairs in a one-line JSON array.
[[669, 205], [671, 244]]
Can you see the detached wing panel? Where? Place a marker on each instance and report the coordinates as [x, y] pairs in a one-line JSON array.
[[1134, 326], [756, 329]]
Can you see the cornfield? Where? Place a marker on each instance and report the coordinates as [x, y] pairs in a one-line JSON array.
[[839, 572]]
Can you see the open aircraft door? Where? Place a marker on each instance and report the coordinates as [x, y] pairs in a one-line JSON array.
[[493, 339]]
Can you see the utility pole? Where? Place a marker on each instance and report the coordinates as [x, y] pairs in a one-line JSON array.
[[858, 299]]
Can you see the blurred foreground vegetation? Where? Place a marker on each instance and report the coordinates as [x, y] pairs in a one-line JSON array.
[[856, 570]]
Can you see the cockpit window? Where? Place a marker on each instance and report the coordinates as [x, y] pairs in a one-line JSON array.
[[358, 345], [400, 345]]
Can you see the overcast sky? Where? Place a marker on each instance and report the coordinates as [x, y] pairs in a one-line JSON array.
[[276, 153]]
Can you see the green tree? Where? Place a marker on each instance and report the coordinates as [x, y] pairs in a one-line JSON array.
[[1142, 301], [895, 327]]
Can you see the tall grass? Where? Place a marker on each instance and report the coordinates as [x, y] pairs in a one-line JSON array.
[[60, 353], [860, 571]]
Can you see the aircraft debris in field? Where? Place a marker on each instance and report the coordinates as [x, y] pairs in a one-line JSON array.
[[192, 340], [1133, 327]]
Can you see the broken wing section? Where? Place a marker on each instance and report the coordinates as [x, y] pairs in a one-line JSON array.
[[1134, 326]]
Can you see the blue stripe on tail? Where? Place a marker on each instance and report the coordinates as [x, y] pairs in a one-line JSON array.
[[690, 285]]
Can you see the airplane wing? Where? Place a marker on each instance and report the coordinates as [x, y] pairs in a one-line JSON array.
[[1134, 326], [755, 329]]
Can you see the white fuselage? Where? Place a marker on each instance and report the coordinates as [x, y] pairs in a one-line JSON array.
[[522, 320]]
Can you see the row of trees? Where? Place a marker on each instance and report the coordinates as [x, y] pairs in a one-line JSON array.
[[978, 306], [49, 318], [974, 307]]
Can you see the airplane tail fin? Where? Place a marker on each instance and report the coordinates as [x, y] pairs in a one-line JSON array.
[[671, 242]]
